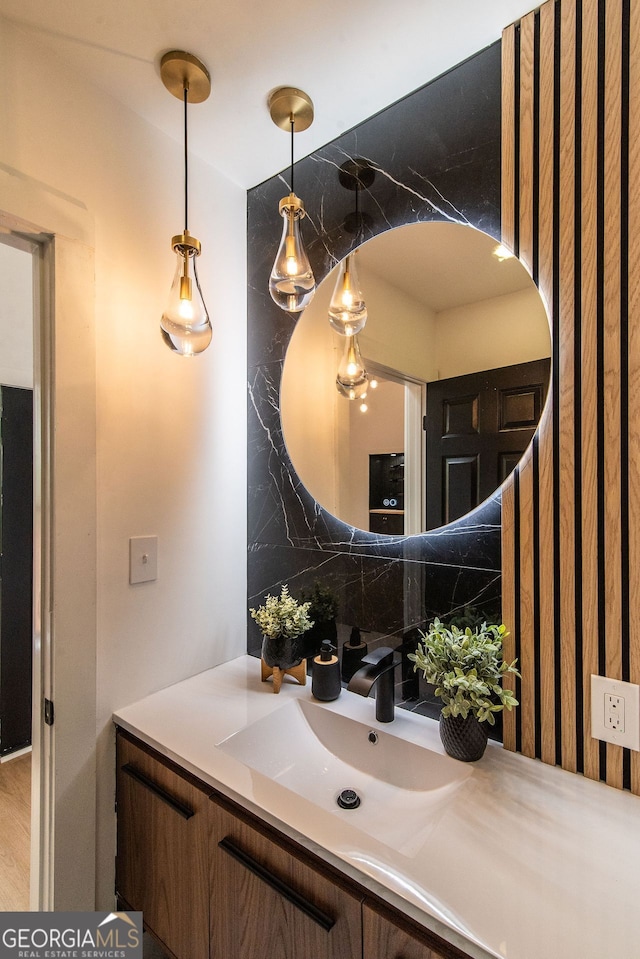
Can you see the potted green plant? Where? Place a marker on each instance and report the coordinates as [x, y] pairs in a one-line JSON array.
[[323, 611], [282, 620], [466, 667]]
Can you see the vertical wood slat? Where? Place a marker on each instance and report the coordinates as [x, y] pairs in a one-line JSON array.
[[508, 138], [567, 378], [526, 519], [527, 646], [545, 279], [612, 425], [588, 397], [634, 365], [526, 226], [508, 602], [508, 239]]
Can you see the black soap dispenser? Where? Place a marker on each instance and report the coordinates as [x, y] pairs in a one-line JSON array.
[[325, 679], [352, 653]]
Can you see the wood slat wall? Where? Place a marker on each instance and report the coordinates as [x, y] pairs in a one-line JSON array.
[[571, 512]]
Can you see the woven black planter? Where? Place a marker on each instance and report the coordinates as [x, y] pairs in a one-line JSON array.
[[463, 739]]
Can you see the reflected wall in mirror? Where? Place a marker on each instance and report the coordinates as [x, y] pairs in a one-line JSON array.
[[457, 350]]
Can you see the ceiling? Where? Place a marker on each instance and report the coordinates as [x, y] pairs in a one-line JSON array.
[[443, 265], [353, 59]]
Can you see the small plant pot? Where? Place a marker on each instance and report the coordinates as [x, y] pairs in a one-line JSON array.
[[281, 652], [463, 739]]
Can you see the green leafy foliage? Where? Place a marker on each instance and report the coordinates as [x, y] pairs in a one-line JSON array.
[[282, 616], [467, 616], [324, 605], [466, 667]]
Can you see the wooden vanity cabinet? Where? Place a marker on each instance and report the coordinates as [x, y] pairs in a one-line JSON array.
[[289, 909], [388, 935], [214, 882], [162, 865]]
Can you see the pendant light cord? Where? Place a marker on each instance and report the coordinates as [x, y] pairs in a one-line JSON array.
[[293, 123], [186, 162]]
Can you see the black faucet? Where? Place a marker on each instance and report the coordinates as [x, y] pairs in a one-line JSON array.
[[378, 668]]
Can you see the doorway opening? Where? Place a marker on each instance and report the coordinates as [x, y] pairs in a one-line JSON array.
[[63, 758], [397, 403], [19, 285]]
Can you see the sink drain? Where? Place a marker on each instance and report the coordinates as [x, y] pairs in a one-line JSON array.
[[348, 799]]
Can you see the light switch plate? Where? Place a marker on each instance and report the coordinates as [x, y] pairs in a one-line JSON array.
[[143, 559], [614, 695]]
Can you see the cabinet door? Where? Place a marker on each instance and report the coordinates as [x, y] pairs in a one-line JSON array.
[[162, 862], [387, 935], [268, 902]]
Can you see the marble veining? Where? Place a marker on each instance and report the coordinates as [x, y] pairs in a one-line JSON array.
[[436, 156]]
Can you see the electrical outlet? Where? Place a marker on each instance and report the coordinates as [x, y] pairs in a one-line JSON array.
[[615, 712]]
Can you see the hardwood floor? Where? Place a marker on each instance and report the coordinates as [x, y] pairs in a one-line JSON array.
[[15, 830]]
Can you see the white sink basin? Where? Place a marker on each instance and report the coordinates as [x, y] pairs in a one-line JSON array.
[[315, 752]]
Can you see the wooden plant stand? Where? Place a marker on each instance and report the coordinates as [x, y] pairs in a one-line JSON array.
[[298, 672]]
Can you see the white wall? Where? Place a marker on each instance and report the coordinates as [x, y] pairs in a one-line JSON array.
[[400, 331], [167, 427], [503, 330], [16, 317]]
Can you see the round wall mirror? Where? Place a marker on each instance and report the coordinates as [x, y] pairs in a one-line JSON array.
[[457, 352]]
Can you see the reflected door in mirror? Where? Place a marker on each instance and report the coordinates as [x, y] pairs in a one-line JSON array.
[[478, 426]]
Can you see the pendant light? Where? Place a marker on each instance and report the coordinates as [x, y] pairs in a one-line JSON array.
[[185, 324], [291, 283], [347, 310], [352, 380]]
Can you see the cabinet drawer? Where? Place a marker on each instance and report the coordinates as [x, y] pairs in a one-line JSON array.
[[162, 863], [266, 901], [389, 935]]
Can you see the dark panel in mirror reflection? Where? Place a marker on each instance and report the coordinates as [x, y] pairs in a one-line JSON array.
[[478, 427], [437, 156]]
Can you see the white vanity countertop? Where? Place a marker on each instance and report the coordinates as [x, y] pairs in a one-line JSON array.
[[523, 861]]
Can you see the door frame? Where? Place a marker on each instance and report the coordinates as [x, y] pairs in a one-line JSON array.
[[415, 406], [63, 797], [17, 383]]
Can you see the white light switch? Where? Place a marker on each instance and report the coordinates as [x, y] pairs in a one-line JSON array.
[[143, 559]]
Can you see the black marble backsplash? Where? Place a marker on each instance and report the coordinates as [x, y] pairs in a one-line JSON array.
[[436, 155]]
